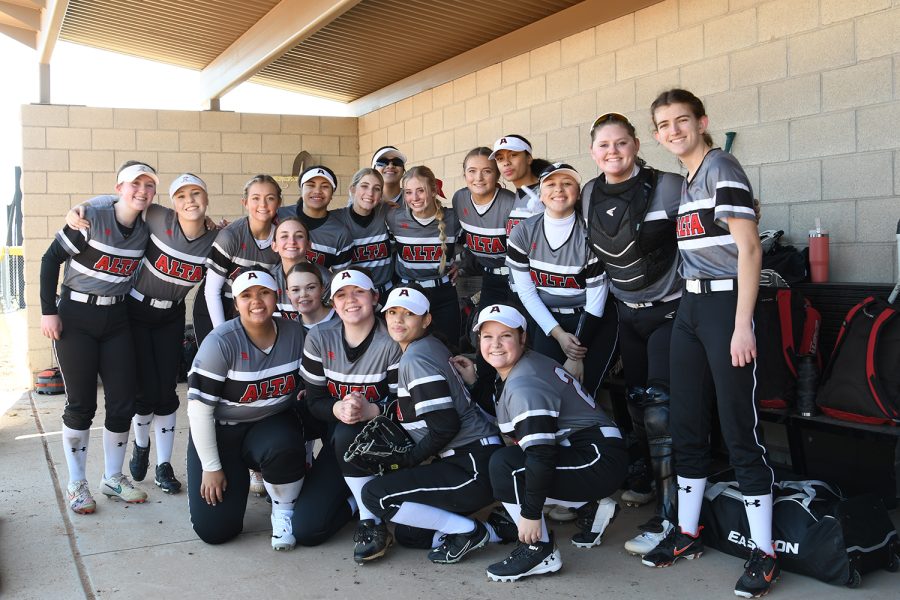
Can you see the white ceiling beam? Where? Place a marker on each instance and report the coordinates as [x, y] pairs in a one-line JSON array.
[[51, 24], [19, 16], [283, 27]]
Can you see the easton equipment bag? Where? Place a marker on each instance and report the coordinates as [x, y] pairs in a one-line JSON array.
[[817, 532], [49, 381], [787, 327], [862, 380]]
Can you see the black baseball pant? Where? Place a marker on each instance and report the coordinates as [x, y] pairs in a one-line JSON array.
[[202, 321], [701, 339], [158, 337], [96, 340]]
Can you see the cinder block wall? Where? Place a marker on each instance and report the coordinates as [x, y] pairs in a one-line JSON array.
[[812, 88], [71, 153]]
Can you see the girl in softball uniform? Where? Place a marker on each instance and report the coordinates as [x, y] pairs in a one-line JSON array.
[[425, 241], [561, 283], [434, 408], [306, 288], [350, 368], [291, 243], [630, 213], [91, 332], [174, 262], [330, 242], [241, 393], [567, 451], [365, 220], [720, 264], [391, 163], [245, 243], [513, 155]]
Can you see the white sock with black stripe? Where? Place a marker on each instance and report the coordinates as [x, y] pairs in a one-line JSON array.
[[430, 517], [164, 432], [284, 495], [142, 429], [75, 445], [515, 514], [759, 515], [114, 447], [356, 485]]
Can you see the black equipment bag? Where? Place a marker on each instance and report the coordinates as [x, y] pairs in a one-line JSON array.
[[862, 382], [817, 531], [49, 381]]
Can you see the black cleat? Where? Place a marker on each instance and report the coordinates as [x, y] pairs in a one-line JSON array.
[[503, 525], [165, 479], [674, 546], [372, 541], [525, 560], [594, 524], [760, 572], [455, 546], [140, 460]]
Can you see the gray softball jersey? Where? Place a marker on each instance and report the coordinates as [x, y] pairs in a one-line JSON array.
[[418, 247], [485, 234], [330, 244], [371, 246], [541, 403], [235, 249], [428, 382], [243, 383], [718, 191], [103, 260]]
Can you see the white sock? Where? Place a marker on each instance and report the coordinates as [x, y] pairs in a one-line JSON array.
[[75, 445], [759, 515], [690, 499], [494, 538], [566, 503], [356, 485], [284, 495], [515, 514], [164, 431], [430, 517], [114, 447], [353, 506], [142, 425], [436, 539]]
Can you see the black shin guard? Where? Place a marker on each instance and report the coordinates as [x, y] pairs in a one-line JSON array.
[[656, 421]]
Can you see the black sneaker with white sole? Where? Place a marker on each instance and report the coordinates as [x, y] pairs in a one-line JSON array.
[[760, 571], [594, 525], [525, 560], [372, 541], [165, 479], [140, 460], [456, 545], [674, 546]]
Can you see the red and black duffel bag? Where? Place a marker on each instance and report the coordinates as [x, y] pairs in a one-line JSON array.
[[862, 380]]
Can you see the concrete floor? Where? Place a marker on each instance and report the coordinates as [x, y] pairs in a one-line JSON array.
[[150, 550]]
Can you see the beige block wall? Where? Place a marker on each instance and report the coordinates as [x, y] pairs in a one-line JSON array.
[[812, 88], [71, 153]]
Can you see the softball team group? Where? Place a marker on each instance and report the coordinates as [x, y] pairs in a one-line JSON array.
[[312, 322]]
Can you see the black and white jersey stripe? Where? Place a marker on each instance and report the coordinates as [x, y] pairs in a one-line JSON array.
[[371, 246], [330, 243], [236, 249], [485, 233], [418, 247]]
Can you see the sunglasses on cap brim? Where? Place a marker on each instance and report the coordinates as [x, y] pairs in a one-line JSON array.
[[610, 116], [383, 162]]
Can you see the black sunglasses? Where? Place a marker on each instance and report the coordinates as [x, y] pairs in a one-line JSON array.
[[383, 162]]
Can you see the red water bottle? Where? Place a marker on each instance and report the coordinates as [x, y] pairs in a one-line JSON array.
[[818, 254]]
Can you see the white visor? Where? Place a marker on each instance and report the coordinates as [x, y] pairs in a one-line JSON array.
[[318, 173], [351, 277], [183, 180], [131, 173], [250, 278], [411, 299], [388, 150], [501, 313], [510, 143], [556, 168]]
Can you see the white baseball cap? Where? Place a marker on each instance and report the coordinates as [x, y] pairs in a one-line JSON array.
[[409, 298], [502, 313], [183, 180], [560, 168], [384, 151], [318, 172], [510, 142], [248, 279], [351, 277], [132, 172]]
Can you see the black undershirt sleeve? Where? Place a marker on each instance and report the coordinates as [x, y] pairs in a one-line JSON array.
[[443, 425], [540, 467], [320, 403], [53, 257]]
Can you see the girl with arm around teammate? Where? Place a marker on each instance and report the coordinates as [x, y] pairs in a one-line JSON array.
[[720, 263]]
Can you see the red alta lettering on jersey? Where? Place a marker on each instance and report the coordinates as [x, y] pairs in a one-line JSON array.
[[487, 244], [270, 388], [116, 265], [315, 257], [370, 252], [554, 280], [422, 253], [339, 390], [180, 270], [689, 225], [510, 223]]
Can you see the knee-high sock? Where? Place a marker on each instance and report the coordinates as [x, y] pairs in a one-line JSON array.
[[164, 431], [141, 425], [759, 515], [565, 503], [430, 517], [690, 499], [114, 447], [515, 514], [75, 445], [284, 495], [356, 485]]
